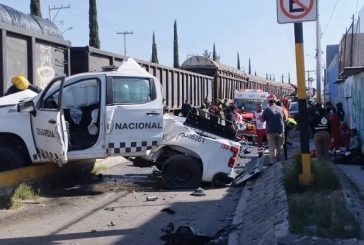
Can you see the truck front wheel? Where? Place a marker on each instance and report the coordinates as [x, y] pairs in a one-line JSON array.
[[10, 159], [182, 172]]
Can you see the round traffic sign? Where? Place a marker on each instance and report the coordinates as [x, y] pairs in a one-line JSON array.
[[306, 9]]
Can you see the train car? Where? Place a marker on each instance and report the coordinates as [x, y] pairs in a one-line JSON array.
[[178, 85], [30, 46], [228, 79]]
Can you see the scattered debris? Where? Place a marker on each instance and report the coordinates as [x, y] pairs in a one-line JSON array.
[[109, 209], [152, 198], [30, 202], [93, 231], [169, 228], [111, 224], [199, 192], [168, 211], [185, 235]]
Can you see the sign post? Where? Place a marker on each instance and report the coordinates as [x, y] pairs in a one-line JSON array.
[[298, 11]]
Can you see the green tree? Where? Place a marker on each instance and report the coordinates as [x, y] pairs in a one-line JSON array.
[[175, 47], [35, 8], [250, 67], [238, 61], [94, 40], [154, 58], [214, 55], [206, 54]]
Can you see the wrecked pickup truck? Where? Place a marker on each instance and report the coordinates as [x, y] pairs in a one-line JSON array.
[[110, 113]]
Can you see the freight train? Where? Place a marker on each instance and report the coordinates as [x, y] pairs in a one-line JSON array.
[[35, 48]]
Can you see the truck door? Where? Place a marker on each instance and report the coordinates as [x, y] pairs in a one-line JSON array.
[[48, 124], [134, 115]]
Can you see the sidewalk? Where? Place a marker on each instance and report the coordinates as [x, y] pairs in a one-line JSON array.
[[262, 212]]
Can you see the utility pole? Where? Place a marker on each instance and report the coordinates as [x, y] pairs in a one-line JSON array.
[[50, 9], [318, 56], [309, 80], [125, 33]]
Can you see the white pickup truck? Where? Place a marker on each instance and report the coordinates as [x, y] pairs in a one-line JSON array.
[[101, 114]]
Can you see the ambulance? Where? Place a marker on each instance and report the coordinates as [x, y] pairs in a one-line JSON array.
[[246, 101]]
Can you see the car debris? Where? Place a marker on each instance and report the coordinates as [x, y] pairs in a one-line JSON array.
[[168, 211], [169, 228], [199, 192], [185, 235], [151, 198]]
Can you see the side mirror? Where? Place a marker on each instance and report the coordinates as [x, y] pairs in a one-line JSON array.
[[26, 106]]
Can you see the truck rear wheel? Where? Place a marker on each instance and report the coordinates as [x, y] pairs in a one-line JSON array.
[[182, 172], [10, 159]]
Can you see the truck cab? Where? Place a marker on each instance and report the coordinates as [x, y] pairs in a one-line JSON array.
[[85, 116]]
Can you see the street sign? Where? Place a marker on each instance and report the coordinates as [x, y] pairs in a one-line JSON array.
[[292, 11]]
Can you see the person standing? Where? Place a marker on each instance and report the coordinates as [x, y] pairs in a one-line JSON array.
[[285, 111], [274, 117], [321, 126], [186, 107], [260, 128]]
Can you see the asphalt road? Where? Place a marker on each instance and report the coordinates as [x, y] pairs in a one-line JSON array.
[[114, 210]]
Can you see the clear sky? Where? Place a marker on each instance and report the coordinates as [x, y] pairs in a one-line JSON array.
[[246, 26]]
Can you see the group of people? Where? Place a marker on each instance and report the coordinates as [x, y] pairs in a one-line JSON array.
[[332, 133]]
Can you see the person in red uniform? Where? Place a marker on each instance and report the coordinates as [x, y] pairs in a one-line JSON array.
[[334, 127]]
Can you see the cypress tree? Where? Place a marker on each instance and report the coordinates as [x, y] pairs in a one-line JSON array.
[[238, 66], [94, 40], [175, 47], [154, 58], [250, 68], [214, 55], [35, 8]]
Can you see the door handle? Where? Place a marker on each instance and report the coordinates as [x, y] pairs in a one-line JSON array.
[[153, 113], [52, 121]]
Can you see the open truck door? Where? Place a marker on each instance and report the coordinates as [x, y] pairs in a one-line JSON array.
[[48, 123]]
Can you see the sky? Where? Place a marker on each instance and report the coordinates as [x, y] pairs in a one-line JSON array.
[[246, 26]]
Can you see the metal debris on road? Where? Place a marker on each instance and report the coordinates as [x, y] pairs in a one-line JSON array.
[[110, 209], [199, 192], [169, 228], [152, 198], [111, 224]]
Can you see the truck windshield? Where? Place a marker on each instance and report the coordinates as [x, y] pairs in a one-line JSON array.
[[249, 105], [130, 90]]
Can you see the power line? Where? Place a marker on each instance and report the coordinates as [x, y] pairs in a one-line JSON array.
[[332, 13]]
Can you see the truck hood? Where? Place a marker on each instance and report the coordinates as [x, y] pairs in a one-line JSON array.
[[13, 99]]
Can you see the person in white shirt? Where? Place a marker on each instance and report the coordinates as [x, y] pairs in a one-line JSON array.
[[260, 128]]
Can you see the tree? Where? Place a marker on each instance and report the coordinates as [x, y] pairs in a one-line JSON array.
[[94, 40], [238, 65], [206, 54], [35, 8], [154, 58], [214, 55], [250, 67], [175, 47]]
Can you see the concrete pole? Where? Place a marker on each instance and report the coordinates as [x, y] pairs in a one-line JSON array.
[[318, 55]]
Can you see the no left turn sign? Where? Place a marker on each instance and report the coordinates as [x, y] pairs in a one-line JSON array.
[[290, 11]]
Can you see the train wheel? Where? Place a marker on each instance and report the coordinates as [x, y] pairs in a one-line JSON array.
[[10, 159]]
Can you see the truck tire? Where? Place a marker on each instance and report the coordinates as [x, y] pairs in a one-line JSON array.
[[182, 172], [10, 159]]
